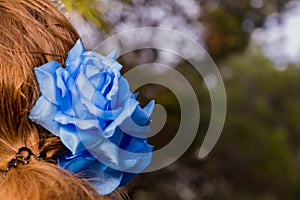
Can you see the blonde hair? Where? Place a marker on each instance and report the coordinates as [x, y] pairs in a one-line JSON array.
[[32, 32]]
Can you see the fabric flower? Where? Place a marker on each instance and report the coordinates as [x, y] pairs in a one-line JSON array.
[[89, 106]]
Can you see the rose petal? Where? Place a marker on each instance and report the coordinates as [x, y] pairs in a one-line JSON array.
[[104, 179], [127, 111], [122, 95], [107, 115], [74, 58], [112, 55], [43, 114], [46, 77], [69, 137]]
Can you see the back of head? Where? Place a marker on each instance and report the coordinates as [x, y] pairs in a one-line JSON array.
[[32, 32]]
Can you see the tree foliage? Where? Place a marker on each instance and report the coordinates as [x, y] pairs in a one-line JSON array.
[[257, 156]]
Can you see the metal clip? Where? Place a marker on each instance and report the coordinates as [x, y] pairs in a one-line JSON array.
[[22, 157]]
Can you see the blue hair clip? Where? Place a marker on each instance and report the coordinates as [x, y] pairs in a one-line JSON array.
[[90, 107]]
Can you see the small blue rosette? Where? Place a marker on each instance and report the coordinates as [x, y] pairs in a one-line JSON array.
[[89, 106]]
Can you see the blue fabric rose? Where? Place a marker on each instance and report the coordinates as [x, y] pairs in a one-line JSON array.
[[90, 107]]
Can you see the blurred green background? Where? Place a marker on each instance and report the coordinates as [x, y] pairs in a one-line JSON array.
[[255, 46]]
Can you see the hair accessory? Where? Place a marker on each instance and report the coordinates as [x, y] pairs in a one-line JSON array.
[[89, 106], [20, 158]]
